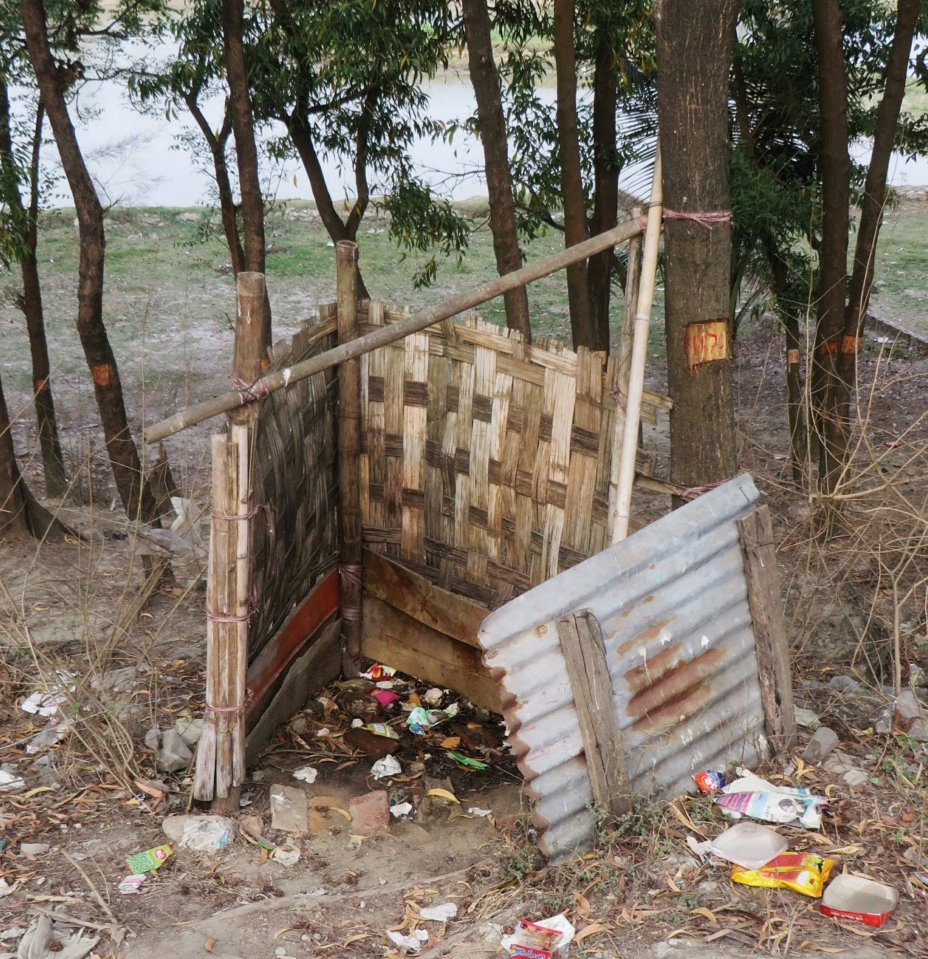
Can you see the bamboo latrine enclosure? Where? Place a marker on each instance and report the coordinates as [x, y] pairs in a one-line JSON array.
[[443, 471]]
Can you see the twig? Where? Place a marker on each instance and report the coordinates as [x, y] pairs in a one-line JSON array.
[[69, 921], [93, 889]]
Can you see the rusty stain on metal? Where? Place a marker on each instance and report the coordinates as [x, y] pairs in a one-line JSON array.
[[644, 637], [672, 605]]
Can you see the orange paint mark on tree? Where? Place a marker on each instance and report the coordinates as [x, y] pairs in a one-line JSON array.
[[706, 342], [103, 374]]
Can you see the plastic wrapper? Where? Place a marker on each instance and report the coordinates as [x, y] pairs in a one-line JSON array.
[[777, 807], [546, 939], [709, 781], [801, 872], [749, 795], [150, 859]]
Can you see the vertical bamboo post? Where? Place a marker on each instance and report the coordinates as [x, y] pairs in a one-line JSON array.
[[349, 449], [623, 366], [630, 308], [215, 751], [220, 767], [621, 506]]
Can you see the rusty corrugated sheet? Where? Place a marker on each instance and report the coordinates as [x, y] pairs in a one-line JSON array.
[[672, 604]]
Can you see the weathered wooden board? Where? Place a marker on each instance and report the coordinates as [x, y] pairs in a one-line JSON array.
[[760, 572], [585, 656], [393, 637], [312, 670], [298, 630], [414, 595]]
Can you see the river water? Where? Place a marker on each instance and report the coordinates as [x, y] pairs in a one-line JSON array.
[[137, 159]]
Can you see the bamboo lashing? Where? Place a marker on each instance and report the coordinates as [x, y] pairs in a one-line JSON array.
[[349, 447], [390, 334], [620, 508]]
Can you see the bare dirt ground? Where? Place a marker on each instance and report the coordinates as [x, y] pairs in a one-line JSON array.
[[83, 603]]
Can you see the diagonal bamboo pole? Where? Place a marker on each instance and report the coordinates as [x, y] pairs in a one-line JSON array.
[[390, 334], [621, 506]]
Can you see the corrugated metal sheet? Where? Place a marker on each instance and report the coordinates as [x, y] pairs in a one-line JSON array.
[[672, 604]]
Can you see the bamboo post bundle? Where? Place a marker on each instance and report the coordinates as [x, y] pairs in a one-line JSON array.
[[620, 503], [220, 760], [395, 331], [349, 451], [220, 768]]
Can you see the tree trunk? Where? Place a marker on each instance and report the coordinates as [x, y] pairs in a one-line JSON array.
[[134, 491], [581, 324], [830, 393], [485, 81], [795, 401], [694, 45], [246, 150], [605, 181], [338, 231], [30, 301], [871, 212], [217, 149], [20, 513]]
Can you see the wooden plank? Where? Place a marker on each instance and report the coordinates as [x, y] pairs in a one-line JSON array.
[[297, 631], [415, 596], [760, 572], [585, 656], [392, 637], [314, 668]]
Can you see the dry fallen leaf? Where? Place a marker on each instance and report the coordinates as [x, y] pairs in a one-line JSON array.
[[706, 914], [588, 931], [443, 794], [583, 905]]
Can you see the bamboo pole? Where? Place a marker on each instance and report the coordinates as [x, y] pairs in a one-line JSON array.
[[249, 356], [220, 766], [621, 505], [349, 449], [395, 331], [214, 761], [623, 364]]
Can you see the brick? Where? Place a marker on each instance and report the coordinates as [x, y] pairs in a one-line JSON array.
[[370, 813]]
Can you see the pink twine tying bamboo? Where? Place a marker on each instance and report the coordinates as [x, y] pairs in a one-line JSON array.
[[249, 391], [707, 219]]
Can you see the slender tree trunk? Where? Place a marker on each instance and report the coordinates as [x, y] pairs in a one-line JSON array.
[[30, 301], [694, 45], [871, 212], [795, 400], [581, 325], [827, 385], [134, 491], [20, 512], [217, 149], [605, 183], [485, 80], [338, 230], [246, 150]]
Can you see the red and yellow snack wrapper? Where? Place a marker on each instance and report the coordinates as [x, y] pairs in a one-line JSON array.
[[802, 872]]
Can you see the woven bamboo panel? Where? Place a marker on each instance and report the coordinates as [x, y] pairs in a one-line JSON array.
[[294, 485], [484, 462]]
